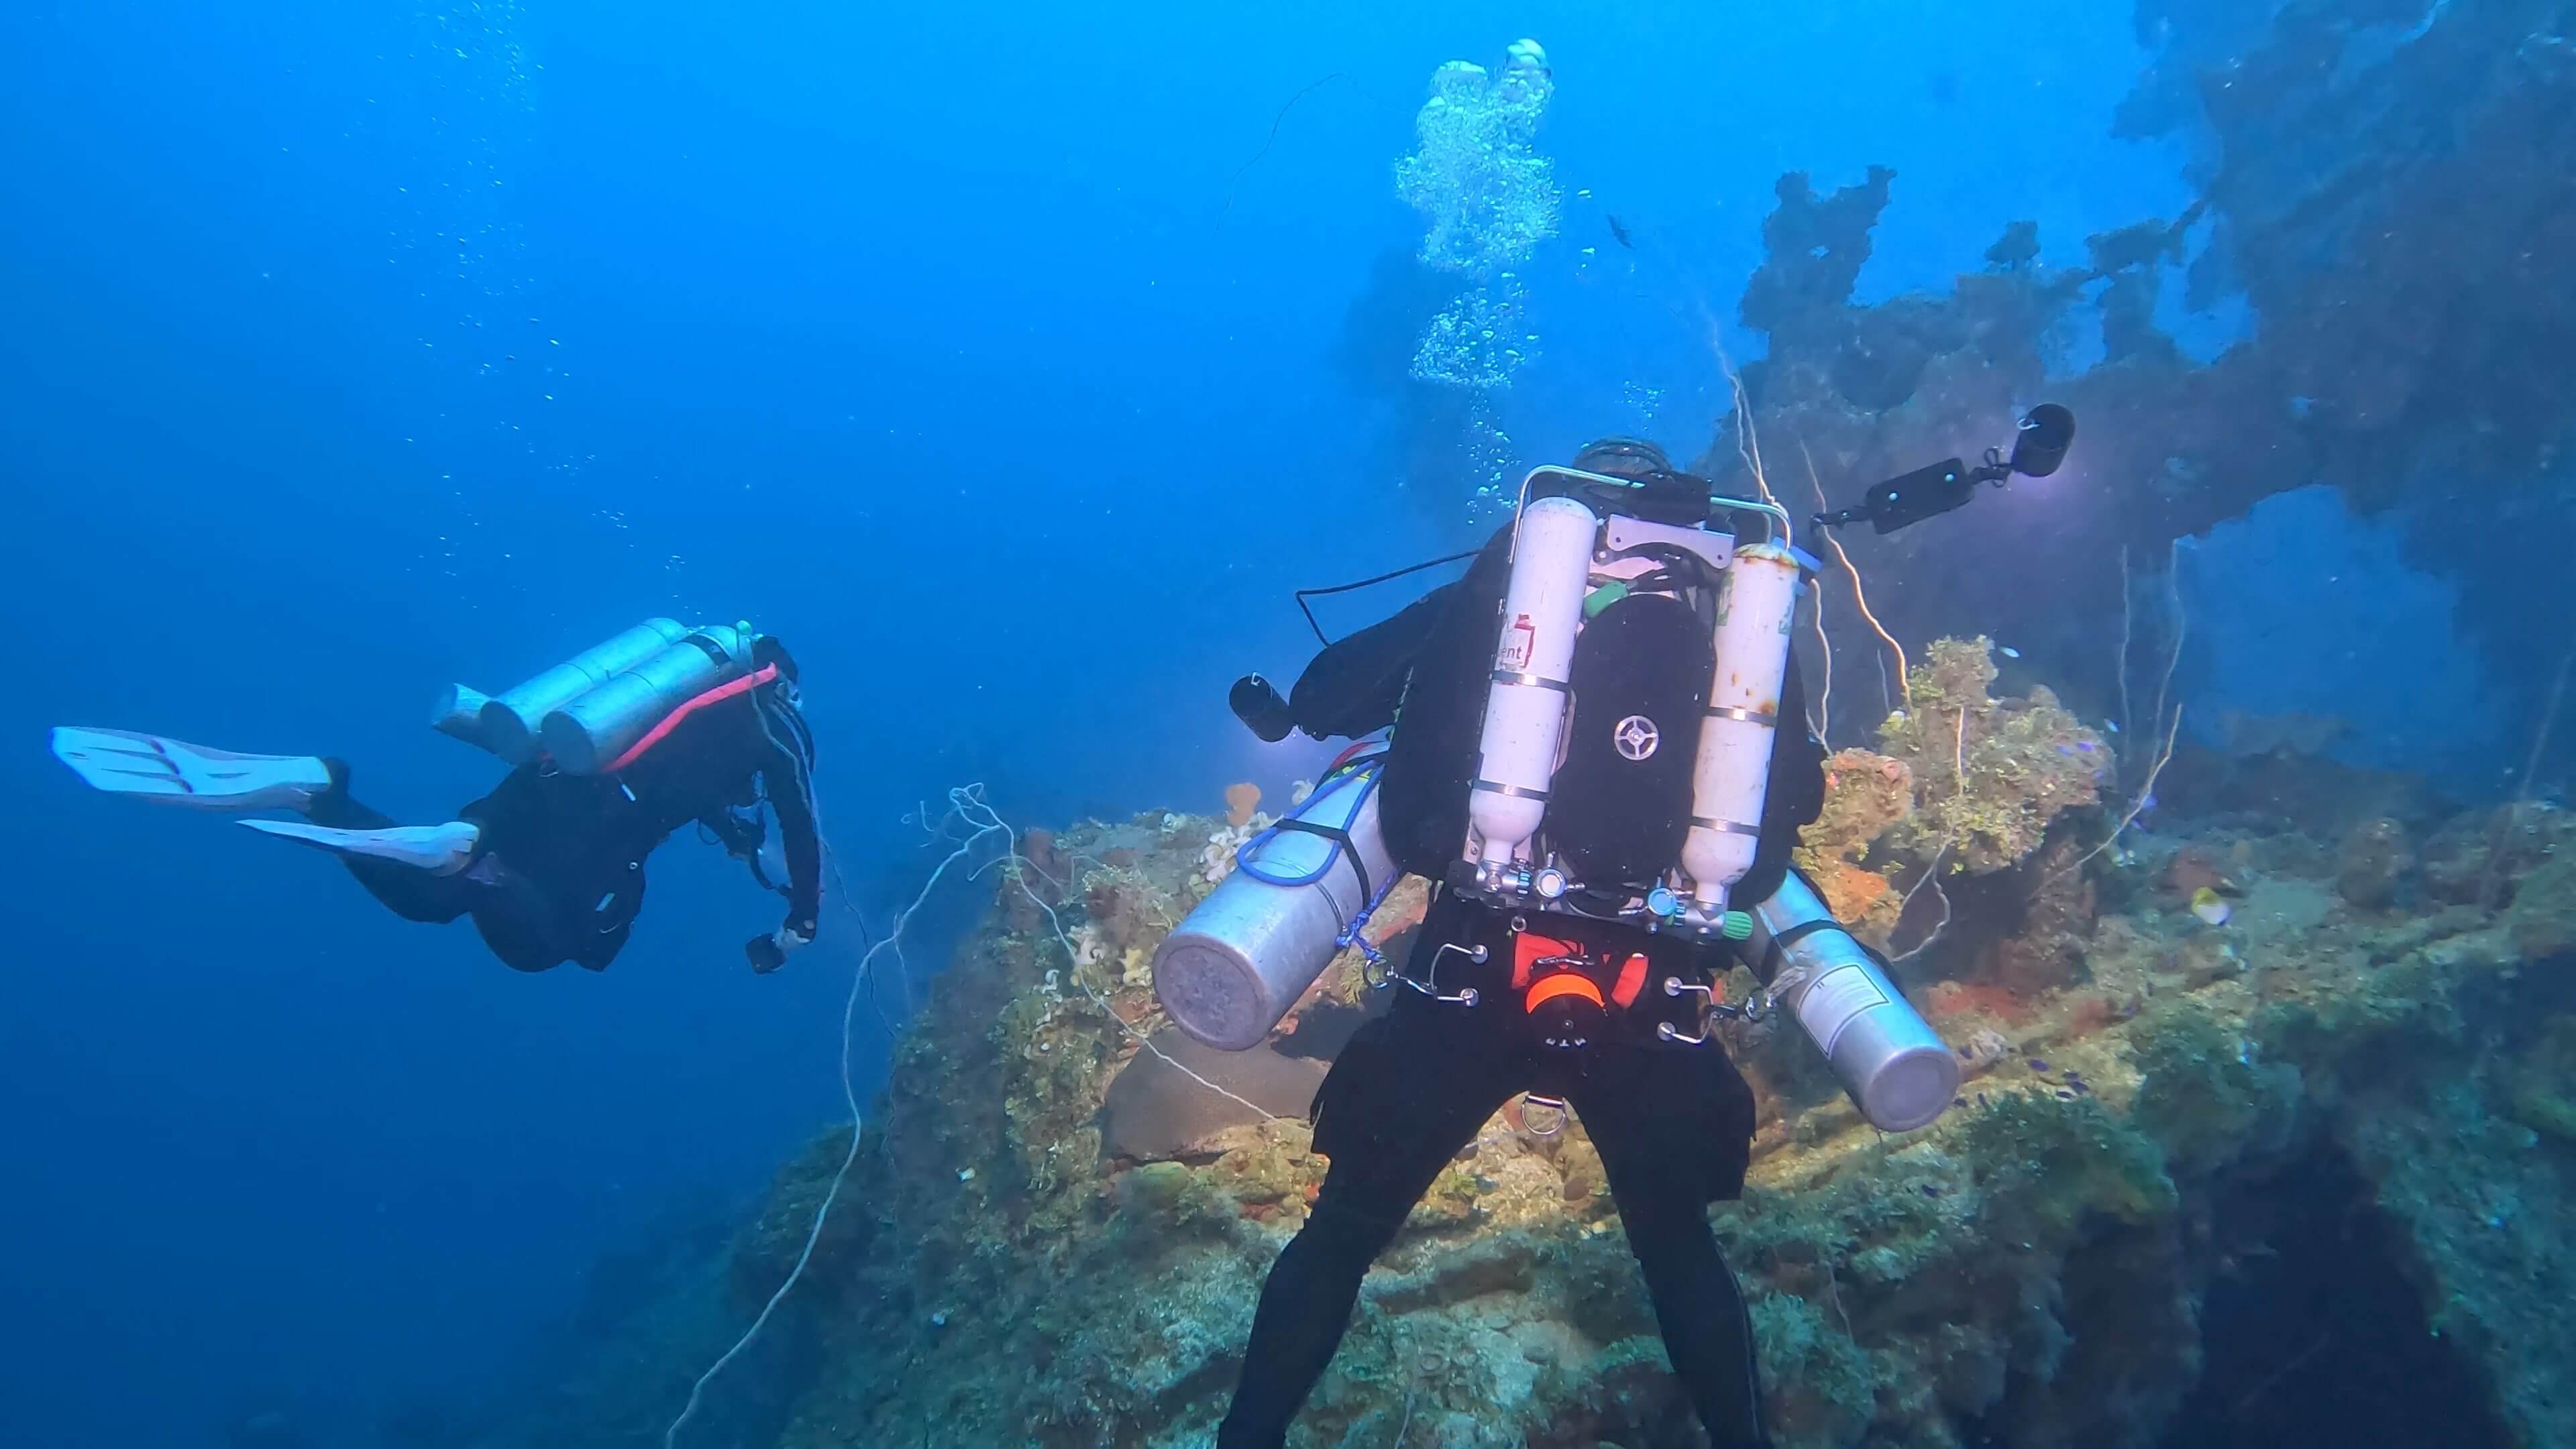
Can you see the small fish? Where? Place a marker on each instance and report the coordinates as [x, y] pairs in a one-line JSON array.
[[2065, 1095], [2009, 652], [2111, 726], [1619, 231], [2210, 906]]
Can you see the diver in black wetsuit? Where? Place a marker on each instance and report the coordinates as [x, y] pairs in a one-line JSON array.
[[550, 865], [1673, 1121]]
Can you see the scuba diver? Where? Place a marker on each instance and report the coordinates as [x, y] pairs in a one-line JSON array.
[[614, 749], [1583, 759]]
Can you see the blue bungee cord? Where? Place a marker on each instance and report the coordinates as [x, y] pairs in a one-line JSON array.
[[1372, 770]]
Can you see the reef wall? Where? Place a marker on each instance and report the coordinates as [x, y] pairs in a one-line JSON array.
[[1031, 1253]]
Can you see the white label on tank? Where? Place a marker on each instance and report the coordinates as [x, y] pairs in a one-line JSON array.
[[1833, 1000], [1519, 642]]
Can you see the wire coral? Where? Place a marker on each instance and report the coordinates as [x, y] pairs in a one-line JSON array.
[[1989, 774]]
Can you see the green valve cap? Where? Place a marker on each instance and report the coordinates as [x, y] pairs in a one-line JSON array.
[[1737, 926], [1602, 598]]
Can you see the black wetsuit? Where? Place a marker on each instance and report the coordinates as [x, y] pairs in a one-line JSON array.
[[558, 874], [1673, 1121]]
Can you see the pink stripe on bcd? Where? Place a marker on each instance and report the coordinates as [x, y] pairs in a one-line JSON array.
[[717, 695]]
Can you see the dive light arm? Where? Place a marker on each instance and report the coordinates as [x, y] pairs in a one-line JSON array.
[[2039, 446]]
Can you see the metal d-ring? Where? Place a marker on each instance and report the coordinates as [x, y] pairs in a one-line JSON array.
[[1553, 1104]]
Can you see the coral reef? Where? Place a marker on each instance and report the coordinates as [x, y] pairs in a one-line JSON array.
[[1989, 774], [2030, 1270], [2373, 862], [1866, 796]]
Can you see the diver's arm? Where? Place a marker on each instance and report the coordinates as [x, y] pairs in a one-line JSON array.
[[786, 756], [1357, 683], [787, 780], [1354, 686]]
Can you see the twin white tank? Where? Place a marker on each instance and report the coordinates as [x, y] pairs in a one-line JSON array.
[[1528, 705], [587, 711]]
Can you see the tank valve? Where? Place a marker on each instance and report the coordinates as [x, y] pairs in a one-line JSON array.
[[1550, 884]]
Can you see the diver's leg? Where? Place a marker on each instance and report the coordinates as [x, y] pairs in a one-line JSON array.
[[1406, 1093], [174, 772], [413, 870], [1674, 1126], [550, 885]]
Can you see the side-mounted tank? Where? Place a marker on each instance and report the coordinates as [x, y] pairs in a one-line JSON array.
[[1242, 957], [1895, 1068]]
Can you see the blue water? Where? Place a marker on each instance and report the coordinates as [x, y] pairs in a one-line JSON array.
[[996, 360]]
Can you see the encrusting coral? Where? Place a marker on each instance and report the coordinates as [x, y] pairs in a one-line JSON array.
[[1866, 796]]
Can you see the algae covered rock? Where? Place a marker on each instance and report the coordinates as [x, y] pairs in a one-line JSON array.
[[2373, 862], [1989, 774], [2543, 918]]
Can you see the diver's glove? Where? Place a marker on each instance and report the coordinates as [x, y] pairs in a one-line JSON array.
[[770, 952]]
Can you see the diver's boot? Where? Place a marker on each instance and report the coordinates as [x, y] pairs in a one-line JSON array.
[[174, 772], [438, 849]]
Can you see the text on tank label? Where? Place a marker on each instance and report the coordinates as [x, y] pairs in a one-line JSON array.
[[1834, 1000]]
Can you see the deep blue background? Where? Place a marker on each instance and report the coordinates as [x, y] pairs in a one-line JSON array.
[[345, 352]]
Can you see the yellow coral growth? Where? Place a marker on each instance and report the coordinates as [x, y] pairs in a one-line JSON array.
[[1989, 774]]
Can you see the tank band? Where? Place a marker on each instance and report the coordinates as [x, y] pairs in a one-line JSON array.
[[1775, 955], [1532, 681], [1515, 791], [1725, 711], [1726, 827]]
